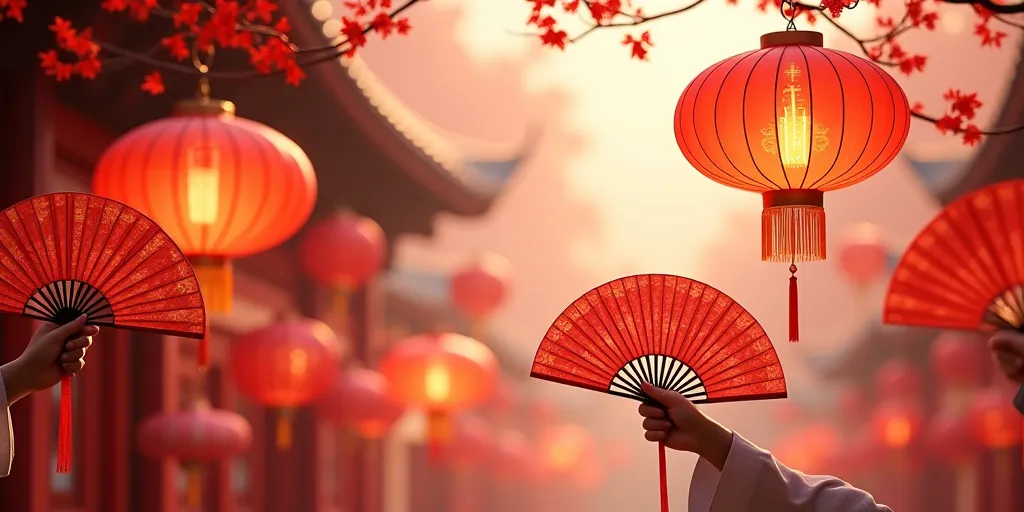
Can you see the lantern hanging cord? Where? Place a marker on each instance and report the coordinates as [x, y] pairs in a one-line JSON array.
[[787, 8], [202, 59]]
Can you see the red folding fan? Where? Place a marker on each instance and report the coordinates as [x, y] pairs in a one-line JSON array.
[[965, 270], [672, 332], [68, 254]]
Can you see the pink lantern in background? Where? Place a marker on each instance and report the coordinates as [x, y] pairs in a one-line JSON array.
[[896, 424], [195, 437], [959, 359], [479, 289], [566, 446], [863, 255], [359, 399], [949, 439], [852, 405], [511, 456], [343, 252], [472, 442]]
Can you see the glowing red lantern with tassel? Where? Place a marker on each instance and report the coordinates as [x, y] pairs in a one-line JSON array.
[[359, 400], [286, 365], [479, 289], [195, 437], [441, 374], [222, 186], [343, 252], [792, 121]]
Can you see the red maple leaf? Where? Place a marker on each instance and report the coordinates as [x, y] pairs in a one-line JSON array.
[[972, 135], [383, 25], [177, 46], [638, 46], [114, 5], [293, 73], [834, 7], [187, 15], [555, 38], [402, 26], [153, 83], [88, 67], [13, 9], [948, 123], [353, 32], [262, 10]]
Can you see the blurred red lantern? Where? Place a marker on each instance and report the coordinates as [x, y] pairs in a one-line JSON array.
[[897, 424], [995, 423], [959, 359], [479, 289], [862, 452], [897, 379], [471, 442], [194, 437], [504, 397], [863, 255], [589, 475], [787, 412], [343, 252], [565, 447], [949, 439], [286, 365], [619, 453], [543, 413], [359, 400], [440, 373], [810, 448], [222, 186], [512, 456]]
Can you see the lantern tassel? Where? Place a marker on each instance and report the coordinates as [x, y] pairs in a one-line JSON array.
[[194, 487], [439, 434], [794, 307], [792, 233], [340, 304], [203, 352], [64, 438], [284, 430], [216, 281], [663, 471]]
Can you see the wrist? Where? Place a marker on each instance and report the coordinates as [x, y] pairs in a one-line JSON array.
[[719, 444], [15, 382]]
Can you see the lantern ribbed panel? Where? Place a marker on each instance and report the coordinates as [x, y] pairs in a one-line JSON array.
[[200, 435], [344, 250], [359, 399], [440, 372], [265, 185], [726, 119]]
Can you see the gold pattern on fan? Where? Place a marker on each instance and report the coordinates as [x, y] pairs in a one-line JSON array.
[[1005, 309]]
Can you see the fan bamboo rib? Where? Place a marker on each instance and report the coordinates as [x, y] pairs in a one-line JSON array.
[[65, 254], [965, 270], [670, 331]]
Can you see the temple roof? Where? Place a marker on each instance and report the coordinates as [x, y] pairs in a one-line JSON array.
[[466, 179], [937, 176]]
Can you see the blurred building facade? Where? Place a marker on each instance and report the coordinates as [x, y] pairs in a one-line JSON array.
[[371, 155]]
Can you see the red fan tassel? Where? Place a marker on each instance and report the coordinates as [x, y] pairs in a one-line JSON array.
[[64, 436], [794, 307], [663, 470]]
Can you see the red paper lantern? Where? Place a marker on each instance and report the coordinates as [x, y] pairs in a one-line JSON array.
[[286, 365], [479, 289], [863, 254], [440, 373], [897, 424], [949, 439], [511, 456], [471, 442], [995, 423], [343, 252], [194, 437], [792, 121], [959, 359], [565, 447], [897, 379], [359, 399], [222, 186], [809, 448], [852, 405]]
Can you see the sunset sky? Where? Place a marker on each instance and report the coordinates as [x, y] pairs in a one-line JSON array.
[[608, 193]]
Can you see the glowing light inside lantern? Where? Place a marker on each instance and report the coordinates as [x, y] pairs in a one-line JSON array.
[[564, 453], [203, 185], [791, 137], [437, 382], [897, 432], [298, 361]]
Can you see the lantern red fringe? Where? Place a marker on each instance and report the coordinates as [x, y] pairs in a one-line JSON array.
[[793, 233], [64, 448], [284, 430]]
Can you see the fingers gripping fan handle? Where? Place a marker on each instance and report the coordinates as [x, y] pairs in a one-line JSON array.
[[67, 254], [672, 332]]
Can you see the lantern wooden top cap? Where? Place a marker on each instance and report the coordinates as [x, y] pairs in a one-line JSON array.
[[797, 37], [204, 107]]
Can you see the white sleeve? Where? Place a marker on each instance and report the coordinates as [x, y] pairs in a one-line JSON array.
[[752, 480], [6, 434]]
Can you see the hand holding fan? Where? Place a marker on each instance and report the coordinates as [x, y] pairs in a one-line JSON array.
[[67, 254], [669, 331]]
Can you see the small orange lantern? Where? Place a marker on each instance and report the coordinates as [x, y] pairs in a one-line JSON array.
[[440, 373], [863, 254], [479, 289], [897, 424], [565, 447]]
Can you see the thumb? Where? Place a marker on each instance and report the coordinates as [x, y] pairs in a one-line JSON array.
[[60, 333], [666, 398]]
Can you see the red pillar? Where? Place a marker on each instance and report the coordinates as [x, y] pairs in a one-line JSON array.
[[26, 142], [112, 355]]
